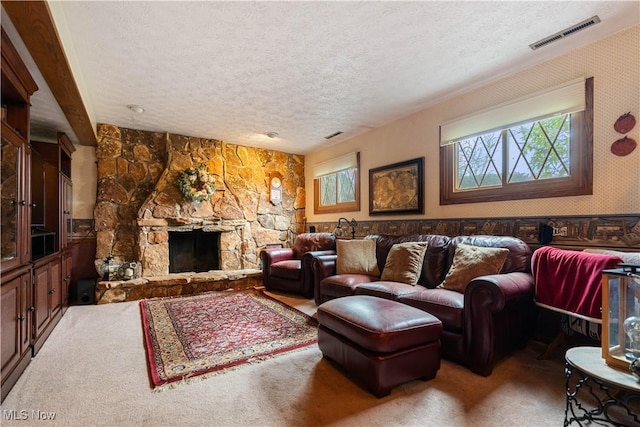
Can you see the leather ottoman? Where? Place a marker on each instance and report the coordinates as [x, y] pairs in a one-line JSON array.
[[378, 342]]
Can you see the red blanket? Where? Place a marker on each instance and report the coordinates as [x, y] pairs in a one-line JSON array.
[[570, 280]]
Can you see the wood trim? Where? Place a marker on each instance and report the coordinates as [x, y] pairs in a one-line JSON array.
[[579, 183], [341, 207], [37, 29], [19, 74], [65, 143]]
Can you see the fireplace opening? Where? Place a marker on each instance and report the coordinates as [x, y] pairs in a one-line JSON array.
[[196, 251]]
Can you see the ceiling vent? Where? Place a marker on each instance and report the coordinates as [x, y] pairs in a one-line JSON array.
[[566, 32], [333, 135]]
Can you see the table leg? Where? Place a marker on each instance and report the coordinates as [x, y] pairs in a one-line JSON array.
[[591, 400]]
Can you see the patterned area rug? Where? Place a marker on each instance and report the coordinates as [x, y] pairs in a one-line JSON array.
[[194, 335]]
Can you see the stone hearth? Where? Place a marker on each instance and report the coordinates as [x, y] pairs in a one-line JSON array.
[[176, 284]]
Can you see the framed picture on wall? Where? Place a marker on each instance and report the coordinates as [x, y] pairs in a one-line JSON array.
[[397, 188]]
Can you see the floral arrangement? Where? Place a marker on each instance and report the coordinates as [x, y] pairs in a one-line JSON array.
[[196, 184]]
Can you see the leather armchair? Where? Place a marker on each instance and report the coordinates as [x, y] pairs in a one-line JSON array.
[[289, 269]]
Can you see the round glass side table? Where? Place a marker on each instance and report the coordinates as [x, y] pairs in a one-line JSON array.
[[598, 394]]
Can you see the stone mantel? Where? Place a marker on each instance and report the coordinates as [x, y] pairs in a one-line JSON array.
[[222, 226]]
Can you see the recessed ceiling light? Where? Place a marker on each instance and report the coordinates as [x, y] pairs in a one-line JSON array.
[[272, 134], [136, 109]]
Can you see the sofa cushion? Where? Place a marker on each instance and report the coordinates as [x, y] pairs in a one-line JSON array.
[[404, 263], [342, 285], [289, 269], [470, 262], [448, 306], [356, 257], [387, 290]]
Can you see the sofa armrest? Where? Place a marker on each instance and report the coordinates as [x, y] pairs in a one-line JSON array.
[[308, 275], [308, 257], [498, 317], [322, 266], [269, 256]]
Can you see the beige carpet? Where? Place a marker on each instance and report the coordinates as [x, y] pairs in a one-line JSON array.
[[92, 371]]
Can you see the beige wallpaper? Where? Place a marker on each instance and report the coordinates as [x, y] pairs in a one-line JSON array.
[[614, 62]]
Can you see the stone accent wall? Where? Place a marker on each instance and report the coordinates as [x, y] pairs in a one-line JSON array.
[[137, 202]]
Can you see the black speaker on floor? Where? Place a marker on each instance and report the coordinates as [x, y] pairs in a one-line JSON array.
[[83, 292]]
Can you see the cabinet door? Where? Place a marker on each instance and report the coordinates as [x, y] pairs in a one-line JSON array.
[[11, 180], [26, 308], [16, 323], [42, 314], [24, 232], [55, 286], [66, 218], [67, 262], [11, 325]]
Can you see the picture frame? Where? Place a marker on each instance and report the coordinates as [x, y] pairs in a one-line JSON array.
[[397, 188]]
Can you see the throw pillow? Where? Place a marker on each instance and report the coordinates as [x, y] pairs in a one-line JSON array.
[[404, 262], [470, 262], [356, 257]]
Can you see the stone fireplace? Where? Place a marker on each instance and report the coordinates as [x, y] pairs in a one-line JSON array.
[[193, 250], [138, 205]]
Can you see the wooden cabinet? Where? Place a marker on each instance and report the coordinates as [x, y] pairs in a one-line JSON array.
[[35, 267], [15, 245], [16, 310], [17, 88], [14, 248], [47, 298], [52, 188]]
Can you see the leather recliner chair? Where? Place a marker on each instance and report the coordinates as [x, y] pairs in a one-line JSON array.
[[289, 269]]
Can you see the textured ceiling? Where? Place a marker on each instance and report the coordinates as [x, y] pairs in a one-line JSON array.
[[236, 70]]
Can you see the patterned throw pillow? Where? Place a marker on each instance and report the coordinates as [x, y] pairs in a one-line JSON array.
[[357, 257], [404, 263], [470, 262]]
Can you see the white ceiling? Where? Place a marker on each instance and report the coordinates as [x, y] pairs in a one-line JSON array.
[[234, 71]]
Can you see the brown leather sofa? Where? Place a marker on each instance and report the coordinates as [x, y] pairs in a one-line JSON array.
[[289, 269], [494, 316]]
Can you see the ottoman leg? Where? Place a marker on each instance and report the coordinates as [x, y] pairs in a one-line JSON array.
[[379, 373]]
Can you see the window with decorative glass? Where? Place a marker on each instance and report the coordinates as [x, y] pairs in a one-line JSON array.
[[337, 185], [540, 146]]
